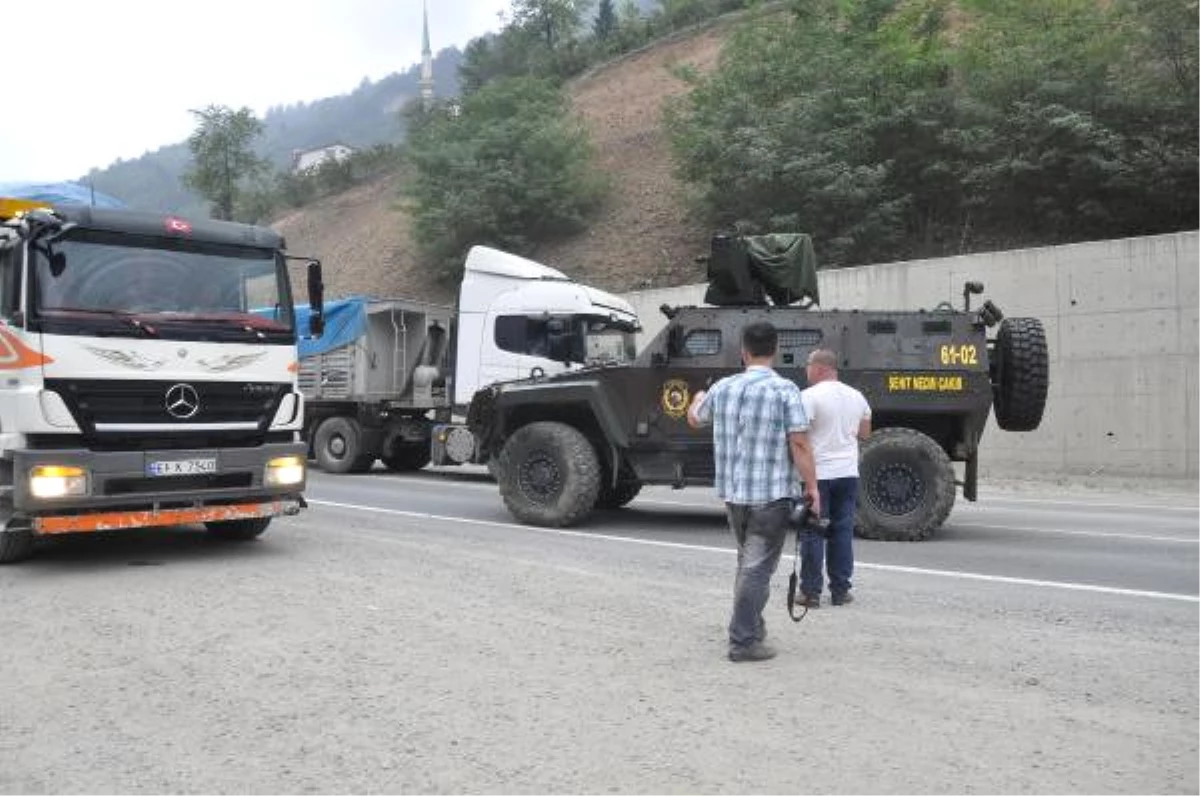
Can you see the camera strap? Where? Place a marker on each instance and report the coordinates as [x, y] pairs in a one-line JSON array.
[[794, 583]]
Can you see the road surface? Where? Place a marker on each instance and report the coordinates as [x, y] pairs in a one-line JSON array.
[[403, 634]]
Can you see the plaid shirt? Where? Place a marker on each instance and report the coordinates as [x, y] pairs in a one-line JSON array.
[[752, 413]]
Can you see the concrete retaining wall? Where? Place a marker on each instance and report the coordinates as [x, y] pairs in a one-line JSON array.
[[1122, 326]]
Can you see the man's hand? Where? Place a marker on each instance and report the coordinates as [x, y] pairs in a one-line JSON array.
[[813, 496], [692, 419]]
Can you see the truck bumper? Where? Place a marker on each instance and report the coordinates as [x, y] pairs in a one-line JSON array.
[[128, 489]]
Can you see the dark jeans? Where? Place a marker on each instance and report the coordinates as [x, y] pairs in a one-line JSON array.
[[839, 497], [760, 532]]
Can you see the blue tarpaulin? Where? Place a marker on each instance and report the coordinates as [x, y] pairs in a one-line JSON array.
[[345, 322], [58, 193]]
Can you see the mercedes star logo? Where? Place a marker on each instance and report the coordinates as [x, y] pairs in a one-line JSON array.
[[183, 401]]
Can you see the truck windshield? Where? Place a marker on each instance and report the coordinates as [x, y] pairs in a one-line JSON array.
[[103, 283], [609, 343]]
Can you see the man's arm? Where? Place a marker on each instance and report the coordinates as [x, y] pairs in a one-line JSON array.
[[693, 418], [864, 428], [802, 459]]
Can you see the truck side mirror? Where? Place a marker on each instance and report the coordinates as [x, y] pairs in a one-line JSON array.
[[316, 299]]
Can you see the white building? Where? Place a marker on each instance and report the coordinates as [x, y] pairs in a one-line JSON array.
[[309, 159]]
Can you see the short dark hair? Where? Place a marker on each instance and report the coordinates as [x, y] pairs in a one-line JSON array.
[[760, 339]]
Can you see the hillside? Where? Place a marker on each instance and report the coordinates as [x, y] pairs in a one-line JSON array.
[[368, 115], [642, 237]]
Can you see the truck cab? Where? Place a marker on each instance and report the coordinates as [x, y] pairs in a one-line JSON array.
[[147, 374]]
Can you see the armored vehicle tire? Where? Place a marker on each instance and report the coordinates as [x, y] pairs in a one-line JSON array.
[[407, 457], [548, 474], [238, 530], [905, 488], [338, 446], [15, 546], [1022, 374], [614, 497]]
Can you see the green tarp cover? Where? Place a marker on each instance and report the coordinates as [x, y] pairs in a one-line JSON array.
[[746, 270]]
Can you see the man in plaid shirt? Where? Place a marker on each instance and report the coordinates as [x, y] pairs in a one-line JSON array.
[[761, 446]]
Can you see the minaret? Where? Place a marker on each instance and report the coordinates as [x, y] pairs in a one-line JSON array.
[[426, 82]]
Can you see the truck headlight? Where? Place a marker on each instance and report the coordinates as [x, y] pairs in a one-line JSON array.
[[55, 481], [285, 471]]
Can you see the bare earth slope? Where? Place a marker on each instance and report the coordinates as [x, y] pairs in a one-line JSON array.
[[641, 238]]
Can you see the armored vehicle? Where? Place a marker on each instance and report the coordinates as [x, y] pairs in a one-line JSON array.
[[564, 445]]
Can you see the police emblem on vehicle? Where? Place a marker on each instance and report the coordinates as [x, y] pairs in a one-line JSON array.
[[182, 401], [675, 398]]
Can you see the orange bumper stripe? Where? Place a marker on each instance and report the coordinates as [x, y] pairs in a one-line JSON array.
[[115, 520]]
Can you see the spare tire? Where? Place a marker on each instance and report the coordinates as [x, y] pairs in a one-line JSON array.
[[548, 474], [906, 486], [1022, 376]]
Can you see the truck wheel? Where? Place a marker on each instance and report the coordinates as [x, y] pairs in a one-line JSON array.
[[548, 474], [238, 530], [1022, 374], [906, 486], [15, 545], [613, 497], [338, 446], [407, 457]]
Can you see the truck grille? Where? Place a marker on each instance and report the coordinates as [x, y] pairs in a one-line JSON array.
[[111, 402]]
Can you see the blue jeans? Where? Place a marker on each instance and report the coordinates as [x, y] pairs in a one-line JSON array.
[[760, 532], [839, 498]]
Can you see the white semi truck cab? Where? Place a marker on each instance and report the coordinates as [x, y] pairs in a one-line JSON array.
[[148, 373]]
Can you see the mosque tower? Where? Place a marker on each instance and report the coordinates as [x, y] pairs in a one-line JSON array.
[[426, 81]]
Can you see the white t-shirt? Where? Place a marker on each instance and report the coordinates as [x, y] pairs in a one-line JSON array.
[[834, 411]]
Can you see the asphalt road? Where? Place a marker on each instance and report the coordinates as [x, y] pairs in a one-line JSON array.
[[404, 635]]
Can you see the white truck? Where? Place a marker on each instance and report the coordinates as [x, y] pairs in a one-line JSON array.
[[390, 375], [142, 382]]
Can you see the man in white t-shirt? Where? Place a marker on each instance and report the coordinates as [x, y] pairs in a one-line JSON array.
[[839, 416]]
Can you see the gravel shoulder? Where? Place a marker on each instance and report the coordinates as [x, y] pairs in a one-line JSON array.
[[356, 652]]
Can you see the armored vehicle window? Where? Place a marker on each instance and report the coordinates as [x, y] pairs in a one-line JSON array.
[[936, 327], [702, 342], [881, 327], [800, 338]]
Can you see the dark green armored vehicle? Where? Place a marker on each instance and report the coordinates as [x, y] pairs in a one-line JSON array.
[[563, 446]]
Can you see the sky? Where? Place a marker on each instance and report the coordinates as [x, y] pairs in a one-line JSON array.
[[89, 82]]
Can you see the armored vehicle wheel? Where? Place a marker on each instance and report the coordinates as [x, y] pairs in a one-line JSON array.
[[338, 446], [548, 474], [407, 457], [238, 530], [1022, 374], [614, 497], [906, 486]]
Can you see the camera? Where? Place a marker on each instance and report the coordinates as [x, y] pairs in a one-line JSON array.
[[803, 519]]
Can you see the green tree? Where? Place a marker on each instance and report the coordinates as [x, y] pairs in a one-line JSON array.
[[223, 160], [554, 20], [605, 23], [509, 169]]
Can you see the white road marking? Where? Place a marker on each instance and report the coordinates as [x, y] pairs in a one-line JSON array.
[[1090, 504], [1026, 529], [1086, 587]]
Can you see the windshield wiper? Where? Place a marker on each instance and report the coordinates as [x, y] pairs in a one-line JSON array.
[[125, 317]]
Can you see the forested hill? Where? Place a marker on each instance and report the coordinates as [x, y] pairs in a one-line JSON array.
[[368, 115]]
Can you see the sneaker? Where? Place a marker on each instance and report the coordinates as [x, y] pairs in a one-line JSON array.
[[757, 651], [842, 598], [809, 601]]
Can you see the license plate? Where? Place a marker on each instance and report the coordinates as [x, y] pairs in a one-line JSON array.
[[182, 467]]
